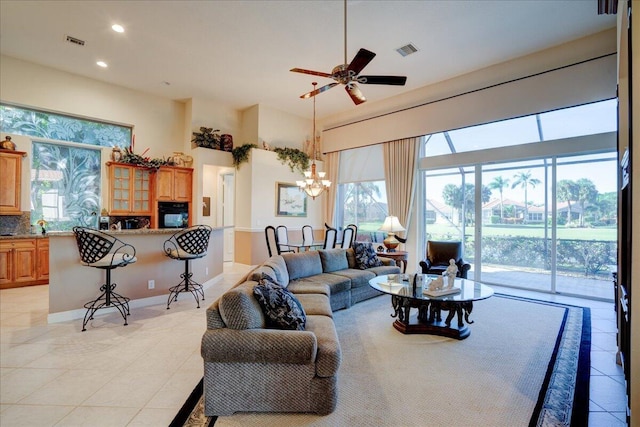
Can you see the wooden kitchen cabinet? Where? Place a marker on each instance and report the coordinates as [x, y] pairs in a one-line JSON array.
[[129, 190], [23, 262], [174, 184], [42, 259], [10, 184]]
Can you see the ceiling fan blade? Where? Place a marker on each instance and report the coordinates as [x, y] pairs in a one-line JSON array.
[[317, 91], [383, 80], [313, 73], [354, 92], [362, 58]]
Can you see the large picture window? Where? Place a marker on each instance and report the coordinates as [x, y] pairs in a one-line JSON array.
[[65, 163], [536, 203]]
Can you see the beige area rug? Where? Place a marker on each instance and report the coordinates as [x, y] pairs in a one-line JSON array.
[[492, 378]]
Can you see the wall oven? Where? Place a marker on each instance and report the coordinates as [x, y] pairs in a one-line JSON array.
[[173, 215]]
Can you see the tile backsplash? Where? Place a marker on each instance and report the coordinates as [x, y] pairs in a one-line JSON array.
[[15, 224]]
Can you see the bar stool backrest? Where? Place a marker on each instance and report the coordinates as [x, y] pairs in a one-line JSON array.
[[100, 249], [191, 242], [347, 238], [307, 234], [330, 236]]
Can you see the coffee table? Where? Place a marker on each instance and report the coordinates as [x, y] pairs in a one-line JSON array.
[[429, 316]]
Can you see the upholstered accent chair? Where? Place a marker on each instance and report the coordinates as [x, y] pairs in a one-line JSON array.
[[438, 256]]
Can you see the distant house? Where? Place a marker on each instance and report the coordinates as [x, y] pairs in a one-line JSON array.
[[437, 212], [514, 212]]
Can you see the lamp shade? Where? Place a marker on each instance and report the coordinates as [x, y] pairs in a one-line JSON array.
[[392, 225]]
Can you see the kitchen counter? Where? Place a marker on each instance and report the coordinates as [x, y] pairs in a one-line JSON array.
[[119, 233], [23, 236], [71, 284]]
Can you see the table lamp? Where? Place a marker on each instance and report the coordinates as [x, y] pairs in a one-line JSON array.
[[391, 226]]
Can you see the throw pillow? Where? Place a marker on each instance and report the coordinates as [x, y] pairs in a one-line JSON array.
[[365, 255], [281, 308]]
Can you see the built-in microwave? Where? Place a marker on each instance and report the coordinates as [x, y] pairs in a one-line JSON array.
[[173, 215]]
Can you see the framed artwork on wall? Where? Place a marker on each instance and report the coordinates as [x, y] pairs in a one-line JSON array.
[[290, 201]]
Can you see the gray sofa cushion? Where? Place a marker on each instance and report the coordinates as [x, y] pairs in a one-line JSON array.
[[358, 277], [336, 283], [303, 264], [214, 320], [298, 287], [239, 309], [333, 260], [315, 304], [385, 269], [280, 268], [264, 271]]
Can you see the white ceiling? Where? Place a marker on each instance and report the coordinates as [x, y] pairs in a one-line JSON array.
[[239, 52]]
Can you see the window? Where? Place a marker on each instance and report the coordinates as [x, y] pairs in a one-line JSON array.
[[528, 216], [363, 204], [65, 163]]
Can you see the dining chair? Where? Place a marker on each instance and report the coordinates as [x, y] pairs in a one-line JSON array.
[[330, 236], [355, 232], [347, 238], [307, 234], [283, 239], [272, 240]]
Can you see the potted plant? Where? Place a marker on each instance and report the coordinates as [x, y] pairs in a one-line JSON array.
[[296, 159], [207, 137], [241, 154]]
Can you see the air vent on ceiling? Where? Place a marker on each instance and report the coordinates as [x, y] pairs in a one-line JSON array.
[[74, 40], [407, 49]]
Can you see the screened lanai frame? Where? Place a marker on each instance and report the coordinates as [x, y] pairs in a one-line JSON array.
[[548, 139]]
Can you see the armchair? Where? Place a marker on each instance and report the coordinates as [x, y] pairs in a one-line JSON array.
[[438, 256]]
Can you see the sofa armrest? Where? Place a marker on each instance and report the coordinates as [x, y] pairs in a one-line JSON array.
[[463, 268], [426, 266], [259, 346]]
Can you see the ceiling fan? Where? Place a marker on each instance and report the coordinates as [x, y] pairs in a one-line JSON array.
[[348, 74]]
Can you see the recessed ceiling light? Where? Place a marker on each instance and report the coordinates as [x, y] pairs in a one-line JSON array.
[[117, 28], [101, 64]]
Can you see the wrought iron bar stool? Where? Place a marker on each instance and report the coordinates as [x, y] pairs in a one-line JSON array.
[[106, 252], [185, 245]]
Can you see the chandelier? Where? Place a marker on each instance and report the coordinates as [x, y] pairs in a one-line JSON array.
[[314, 183]]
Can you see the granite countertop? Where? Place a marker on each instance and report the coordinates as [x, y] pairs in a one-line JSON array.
[[23, 236], [139, 231]]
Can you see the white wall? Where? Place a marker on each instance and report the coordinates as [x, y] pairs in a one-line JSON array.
[[158, 123], [266, 172], [463, 101]]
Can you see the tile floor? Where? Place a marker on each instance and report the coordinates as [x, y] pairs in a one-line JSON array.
[[139, 375]]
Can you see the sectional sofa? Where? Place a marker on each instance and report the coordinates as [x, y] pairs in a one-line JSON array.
[[249, 367]]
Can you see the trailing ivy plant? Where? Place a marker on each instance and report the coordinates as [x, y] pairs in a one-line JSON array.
[[296, 159], [241, 154]]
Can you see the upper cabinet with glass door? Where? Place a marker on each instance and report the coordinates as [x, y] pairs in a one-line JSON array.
[[129, 190]]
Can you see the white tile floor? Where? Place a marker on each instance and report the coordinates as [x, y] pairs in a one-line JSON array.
[[141, 374]]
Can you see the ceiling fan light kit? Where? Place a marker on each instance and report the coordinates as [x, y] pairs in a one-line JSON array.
[[348, 74]]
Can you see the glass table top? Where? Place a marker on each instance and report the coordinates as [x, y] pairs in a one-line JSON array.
[[394, 285]]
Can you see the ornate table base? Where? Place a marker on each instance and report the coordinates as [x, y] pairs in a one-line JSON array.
[[430, 317]]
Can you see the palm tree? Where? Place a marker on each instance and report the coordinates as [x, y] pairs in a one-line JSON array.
[[499, 183], [587, 193], [567, 190], [524, 180]]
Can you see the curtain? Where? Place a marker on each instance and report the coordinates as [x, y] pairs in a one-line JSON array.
[[399, 172], [332, 166]]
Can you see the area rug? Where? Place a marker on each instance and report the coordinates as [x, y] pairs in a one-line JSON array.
[[526, 362]]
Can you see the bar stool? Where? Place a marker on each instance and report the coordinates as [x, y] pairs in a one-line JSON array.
[[185, 245], [106, 252]]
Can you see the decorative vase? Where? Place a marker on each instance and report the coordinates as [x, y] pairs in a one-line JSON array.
[[116, 154], [8, 144]]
